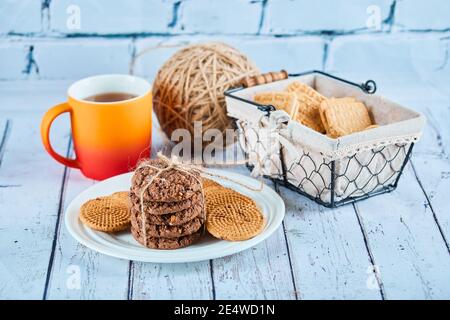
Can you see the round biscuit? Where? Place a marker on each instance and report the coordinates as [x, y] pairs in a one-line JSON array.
[[106, 214], [235, 221]]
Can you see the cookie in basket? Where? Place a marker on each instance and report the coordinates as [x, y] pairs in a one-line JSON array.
[[286, 101], [343, 116], [308, 113], [308, 101], [298, 87], [373, 126], [107, 214]]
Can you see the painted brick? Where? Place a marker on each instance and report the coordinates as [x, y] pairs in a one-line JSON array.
[[291, 54], [75, 58], [383, 56], [111, 16], [13, 60], [419, 14], [290, 17], [157, 51], [224, 17], [269, 54], [20, 16]]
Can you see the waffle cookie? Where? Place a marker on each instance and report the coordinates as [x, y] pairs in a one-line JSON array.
[[235, 221], [106, 214], [220, 195], [208, 183], [343, 116], [231, 215], [286, 101], [123, 196]]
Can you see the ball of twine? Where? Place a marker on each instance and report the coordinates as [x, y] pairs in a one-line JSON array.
[[190, 85]]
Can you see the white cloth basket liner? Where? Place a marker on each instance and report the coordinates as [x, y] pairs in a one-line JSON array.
[[355, 165]]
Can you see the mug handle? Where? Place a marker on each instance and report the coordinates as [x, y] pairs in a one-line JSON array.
[[46, 123]]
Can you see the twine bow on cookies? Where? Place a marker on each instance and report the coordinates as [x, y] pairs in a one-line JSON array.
[[175, 163]]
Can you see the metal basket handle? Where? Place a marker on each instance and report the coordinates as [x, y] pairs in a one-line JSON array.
[[369, 86]]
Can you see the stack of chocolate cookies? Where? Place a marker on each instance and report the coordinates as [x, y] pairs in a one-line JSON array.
[[167, 207]]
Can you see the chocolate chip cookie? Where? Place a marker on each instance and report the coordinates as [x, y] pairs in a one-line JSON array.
[[166, 231], [171, 219], [163, 208], [169, 186], [166, 243]]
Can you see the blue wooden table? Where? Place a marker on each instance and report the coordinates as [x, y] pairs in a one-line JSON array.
[[394, 246]]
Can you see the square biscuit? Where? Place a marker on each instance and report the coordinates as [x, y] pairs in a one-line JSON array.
[[309, 101], [308, 113], [343, 116], [304, 89], [286, 101]]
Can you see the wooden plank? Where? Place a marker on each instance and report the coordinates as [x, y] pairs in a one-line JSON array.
[[29, 208], [408, 249], [431, 160], [433, 174], [262, 272], [43, 94], [431, 164], [78, 272], [328, 254], [5, 130], [171, 281]]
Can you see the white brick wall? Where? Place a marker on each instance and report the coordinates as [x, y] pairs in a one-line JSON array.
[[269, 54], [13, 59], [293, 54], [77, 58], [290, 17], [20, 16], [212, 16], [112, 17], [382, 56], [423, 14], [292, 34], [157, 52]]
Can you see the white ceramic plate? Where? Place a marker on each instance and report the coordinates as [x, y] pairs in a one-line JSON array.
[[122, 245]]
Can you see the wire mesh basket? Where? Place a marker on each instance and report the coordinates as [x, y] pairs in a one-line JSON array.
[[332, 172]]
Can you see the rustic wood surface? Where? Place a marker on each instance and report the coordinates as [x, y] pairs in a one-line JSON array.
[[393, 246]]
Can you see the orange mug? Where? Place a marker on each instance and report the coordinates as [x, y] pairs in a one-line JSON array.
[[109, 137]]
